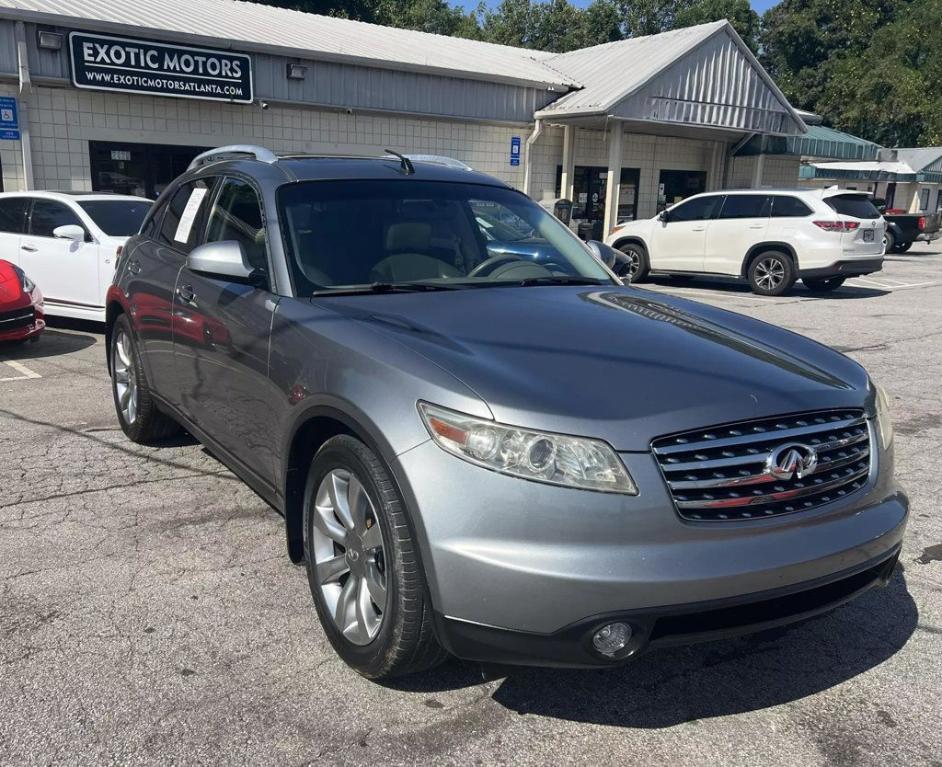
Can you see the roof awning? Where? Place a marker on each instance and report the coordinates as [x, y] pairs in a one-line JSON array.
[[860, 171], [819, 142], [702, 76]]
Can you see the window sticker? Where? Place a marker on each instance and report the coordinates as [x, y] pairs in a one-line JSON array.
[[189, 215]]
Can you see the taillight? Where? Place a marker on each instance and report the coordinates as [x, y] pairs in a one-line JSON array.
[[921, 223], [837, 226]]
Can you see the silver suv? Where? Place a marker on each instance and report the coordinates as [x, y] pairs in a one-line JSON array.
[[487, 445]]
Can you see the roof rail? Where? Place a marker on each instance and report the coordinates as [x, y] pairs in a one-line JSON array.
[[438, 159], [259, 153]]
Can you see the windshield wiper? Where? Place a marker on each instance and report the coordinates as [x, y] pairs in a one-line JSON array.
[[560, 279], [384, 287]]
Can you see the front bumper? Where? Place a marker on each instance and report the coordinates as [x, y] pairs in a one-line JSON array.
[[849, 268], [665, 626], [506, 555]]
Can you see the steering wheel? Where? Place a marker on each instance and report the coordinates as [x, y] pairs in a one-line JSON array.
[[488, 265]]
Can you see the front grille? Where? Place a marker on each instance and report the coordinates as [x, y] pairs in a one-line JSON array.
[[726, 473], [18, 318]]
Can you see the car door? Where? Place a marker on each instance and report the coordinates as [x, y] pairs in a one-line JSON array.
[[12, 227], [221, 331], [151, 276], [678, 239], [66, 271], [742, 221]]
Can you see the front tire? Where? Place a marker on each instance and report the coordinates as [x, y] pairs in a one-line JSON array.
[[771, 273], [137, 411], [638, 264], [363, 565], [823, 284]]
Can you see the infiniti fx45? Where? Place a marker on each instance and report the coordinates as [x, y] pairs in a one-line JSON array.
[[500, 456]]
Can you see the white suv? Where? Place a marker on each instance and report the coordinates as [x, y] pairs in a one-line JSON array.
[[68, 244], [769, 237]]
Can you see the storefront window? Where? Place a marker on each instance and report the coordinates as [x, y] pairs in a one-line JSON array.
[[676, 185], [589, 190], [143, 170]]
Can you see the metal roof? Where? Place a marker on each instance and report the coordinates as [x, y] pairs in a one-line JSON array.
[[919, 158], [697, 75], [253, 27], [821, 141]]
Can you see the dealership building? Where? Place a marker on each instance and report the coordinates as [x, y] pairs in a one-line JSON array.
[[120, 95]]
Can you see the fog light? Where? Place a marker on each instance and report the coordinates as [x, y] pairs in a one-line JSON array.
[[611, 638]]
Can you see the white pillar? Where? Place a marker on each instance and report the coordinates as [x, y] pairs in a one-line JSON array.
[[757, 171], [613, 182], [569, 163]]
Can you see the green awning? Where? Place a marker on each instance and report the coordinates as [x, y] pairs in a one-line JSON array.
[[819, 142]]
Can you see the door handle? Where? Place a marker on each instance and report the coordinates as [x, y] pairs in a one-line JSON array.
[[757, 226], [29, 248], [186, 294], [134, 267], [698, 229]]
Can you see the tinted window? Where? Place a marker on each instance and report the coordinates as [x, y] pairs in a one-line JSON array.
[[789, 207], [116, 218], [856, 205], [13, 214], [49, 214], [745, 206], [237, 215], [698, 209], [180, 225]]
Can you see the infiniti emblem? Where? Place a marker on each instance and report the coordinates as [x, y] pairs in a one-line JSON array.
[[793, 459]]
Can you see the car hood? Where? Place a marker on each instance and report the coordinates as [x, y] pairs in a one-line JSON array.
[[621, 364]]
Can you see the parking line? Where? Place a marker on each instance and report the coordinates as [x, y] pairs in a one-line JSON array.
[[19, 367]]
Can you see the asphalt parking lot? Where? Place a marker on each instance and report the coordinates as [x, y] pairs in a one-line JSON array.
[[148, 612]]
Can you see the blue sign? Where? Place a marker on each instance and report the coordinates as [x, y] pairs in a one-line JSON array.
[[9, 119], [515, 150]]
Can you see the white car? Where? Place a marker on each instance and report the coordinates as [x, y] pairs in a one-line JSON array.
[[769, 237], [68, 243]]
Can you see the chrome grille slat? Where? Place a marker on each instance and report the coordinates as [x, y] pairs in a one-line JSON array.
[[721, 473], [768, 435], [762, 477]]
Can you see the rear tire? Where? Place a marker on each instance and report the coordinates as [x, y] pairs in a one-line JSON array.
[[360, 550], [823, 284], [771, 273], [137, 411], [903, 247], [889, 242], [638, 263]]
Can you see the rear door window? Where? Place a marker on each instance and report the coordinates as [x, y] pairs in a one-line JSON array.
[[856, 205], [13, 215], [745, 206], [789, 207], [47, 215]]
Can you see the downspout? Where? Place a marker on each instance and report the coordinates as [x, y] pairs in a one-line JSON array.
[[26, 88], [527, 170]]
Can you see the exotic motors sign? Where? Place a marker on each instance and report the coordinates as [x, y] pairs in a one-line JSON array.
[[140, 66]]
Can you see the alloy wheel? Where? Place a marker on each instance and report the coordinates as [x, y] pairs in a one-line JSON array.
[[349, 556], [770, 273], [125, 380]]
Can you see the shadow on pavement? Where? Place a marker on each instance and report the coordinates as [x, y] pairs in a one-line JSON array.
[[671, 686], [51, 343], [733, 287]]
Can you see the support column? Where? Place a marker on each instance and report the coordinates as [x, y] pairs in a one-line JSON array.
[[613, 182], [25, 89], [569, 163], [757, 171]]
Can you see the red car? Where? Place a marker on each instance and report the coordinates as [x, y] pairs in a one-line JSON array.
[[21, 305]]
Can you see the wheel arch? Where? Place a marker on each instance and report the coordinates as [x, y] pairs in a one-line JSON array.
[[630, 239], [112, 312], [764, 247]]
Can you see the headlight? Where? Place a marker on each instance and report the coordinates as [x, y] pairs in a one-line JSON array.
[[28, 285], [884, 421], [556, 459]]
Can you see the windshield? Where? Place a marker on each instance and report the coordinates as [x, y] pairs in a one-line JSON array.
[[117, 218], [856, 205], [342, 234]]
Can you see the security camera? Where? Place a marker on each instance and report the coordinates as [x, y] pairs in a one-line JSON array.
[[263, 104], [348, 110]]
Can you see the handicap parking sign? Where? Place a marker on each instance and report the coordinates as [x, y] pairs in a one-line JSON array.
[[9, 119]]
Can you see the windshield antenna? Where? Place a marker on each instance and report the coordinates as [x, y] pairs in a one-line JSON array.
[[404, 162]]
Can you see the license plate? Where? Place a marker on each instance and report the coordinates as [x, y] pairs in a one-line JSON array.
[[868, 235]]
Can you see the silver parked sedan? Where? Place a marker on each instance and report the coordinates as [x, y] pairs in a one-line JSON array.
[[485, 444]]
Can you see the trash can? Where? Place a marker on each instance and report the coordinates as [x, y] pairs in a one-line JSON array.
[[585, 230]]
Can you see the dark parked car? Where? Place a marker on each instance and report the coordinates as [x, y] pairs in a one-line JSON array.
[[903, 229], [493, 455]]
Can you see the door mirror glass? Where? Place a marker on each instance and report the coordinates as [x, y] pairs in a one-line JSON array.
[[69, 232], [225, 259], [604, 253]]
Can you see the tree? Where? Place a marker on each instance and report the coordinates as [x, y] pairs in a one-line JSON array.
[[739, 13]]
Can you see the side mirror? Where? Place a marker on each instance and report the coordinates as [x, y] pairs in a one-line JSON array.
[[224, 259], [69, 232], [604, 253], [663, 216]]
